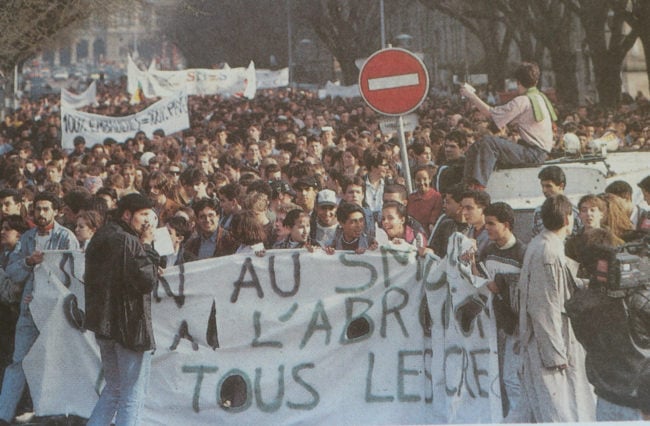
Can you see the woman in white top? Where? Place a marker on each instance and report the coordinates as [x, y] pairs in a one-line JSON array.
[[88, 222]]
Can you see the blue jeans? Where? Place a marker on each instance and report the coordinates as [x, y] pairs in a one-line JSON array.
[[485, 155], [126, 373], [13, 383], [511, 379], [609, 412]]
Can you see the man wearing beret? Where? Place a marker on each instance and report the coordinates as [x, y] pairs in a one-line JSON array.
[[121, 271]]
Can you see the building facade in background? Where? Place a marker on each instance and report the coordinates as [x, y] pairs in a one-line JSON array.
[[446, 47]]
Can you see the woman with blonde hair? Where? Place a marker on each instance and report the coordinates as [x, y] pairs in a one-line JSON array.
[[258, 203], [617, 218]]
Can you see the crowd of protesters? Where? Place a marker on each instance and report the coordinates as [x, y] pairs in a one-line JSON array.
[[289, 170]]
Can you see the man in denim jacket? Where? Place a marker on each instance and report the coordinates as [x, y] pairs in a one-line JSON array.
[[47, 235]]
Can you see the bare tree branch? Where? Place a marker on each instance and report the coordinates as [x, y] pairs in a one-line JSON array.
[[28, 26]]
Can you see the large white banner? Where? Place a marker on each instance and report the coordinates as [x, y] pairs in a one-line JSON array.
[[63, 366], [292, 337], [76, 101], [335, 90], [196, 81], [464, 362], [169, 114], [268, 79]]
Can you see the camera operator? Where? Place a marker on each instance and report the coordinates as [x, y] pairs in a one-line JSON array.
[[612, 321]]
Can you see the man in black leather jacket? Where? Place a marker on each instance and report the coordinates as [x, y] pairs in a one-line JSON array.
[[121, 271], [615, 332]]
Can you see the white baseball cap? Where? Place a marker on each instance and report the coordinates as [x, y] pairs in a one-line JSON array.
[[326, 197]]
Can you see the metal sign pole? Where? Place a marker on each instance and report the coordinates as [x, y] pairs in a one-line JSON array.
[[382, 24], [406, 171], [289, 43]]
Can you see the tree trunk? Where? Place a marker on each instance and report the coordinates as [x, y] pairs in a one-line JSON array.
[[607, 73], [9, 93], [645, 40], [349, 70], [496, 56], [5, 93], [607, 68], [526, 48], [564, 66], [496, 71]]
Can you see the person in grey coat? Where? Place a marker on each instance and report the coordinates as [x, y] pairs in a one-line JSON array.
[[554, 380]]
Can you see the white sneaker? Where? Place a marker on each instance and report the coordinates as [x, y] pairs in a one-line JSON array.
[[25, 417]]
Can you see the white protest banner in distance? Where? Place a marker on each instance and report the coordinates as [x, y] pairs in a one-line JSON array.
[[390, 125], [170, 114], [335, 90], [196, 81], [269, 79], [250, 340], [76, 101], [231, 82], [135, 77], [250, 82]]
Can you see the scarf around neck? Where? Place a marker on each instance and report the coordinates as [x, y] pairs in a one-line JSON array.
[[537, 109]]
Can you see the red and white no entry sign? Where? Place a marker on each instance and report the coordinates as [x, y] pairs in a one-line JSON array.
[[393, 81]]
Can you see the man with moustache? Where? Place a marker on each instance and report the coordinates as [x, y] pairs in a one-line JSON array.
[[47, 235]]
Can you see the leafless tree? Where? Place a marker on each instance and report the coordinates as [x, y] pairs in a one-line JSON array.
[[349, 28], [607, 43], [209, 32], [546, 24], [29, 26], [534, 25], [637, 15], [486, 23]]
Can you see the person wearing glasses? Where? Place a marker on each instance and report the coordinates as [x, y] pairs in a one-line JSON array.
[[212, 240], [174, 172]]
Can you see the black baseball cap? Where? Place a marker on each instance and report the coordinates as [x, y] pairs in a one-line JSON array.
[[307, 182], [280, 187]]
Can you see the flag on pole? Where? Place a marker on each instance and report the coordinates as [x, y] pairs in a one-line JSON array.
[[138, 96]]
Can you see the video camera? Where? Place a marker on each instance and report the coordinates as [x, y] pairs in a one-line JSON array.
[[618, 269]]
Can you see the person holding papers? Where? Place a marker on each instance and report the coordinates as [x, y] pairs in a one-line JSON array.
[[47, 235]]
